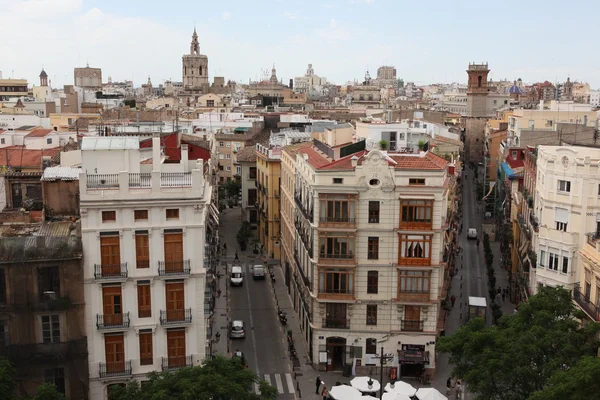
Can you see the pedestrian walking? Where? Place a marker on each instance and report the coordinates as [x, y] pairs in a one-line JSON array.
[[503, 296], [477, 243], [499, 290], [236, 257], [225, 246], [448, 385], [318, 383], [453, 300]]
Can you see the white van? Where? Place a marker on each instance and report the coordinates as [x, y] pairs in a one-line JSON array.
[[472, 233], [258, 272], [237, 277]]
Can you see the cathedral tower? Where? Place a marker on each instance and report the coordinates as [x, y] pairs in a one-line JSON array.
[[477, 90], [195, 68]]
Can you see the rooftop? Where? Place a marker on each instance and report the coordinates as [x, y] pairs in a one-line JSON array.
[[110, 143], [247, 154], [39, 132], [52, 174], [21, 157]]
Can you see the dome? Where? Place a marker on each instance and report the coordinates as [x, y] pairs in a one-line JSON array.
[[515, 90], [43, 74]]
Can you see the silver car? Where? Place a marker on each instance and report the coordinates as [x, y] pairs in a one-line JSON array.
[[237, 330]]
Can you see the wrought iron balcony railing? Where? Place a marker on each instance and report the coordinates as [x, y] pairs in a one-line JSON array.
[[169, 268], [176, 317], [176, 362], [112, 321], [110, 271], [115, 368]]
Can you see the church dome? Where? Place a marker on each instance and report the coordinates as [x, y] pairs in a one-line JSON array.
[[515, 89]]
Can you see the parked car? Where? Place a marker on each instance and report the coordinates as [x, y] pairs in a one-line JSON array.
[[472, 233], [258, 272], [237, 330], [237, 277]]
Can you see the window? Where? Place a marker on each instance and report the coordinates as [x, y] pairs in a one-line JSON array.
[[514, 155], [144, 299], [228, 144], [252, 197], [372, 282], [371, 314], [338, 181], [415, 249], [56, 377], [146, 357], [2, 287], [373, 249], [142, 249], [371, 346], [337, 208], [228, 168], [221, 144], [221, 156], [228, 156], [176, 347], [336, 315], [3, 141], [50, 329], [252, 173], [416, 181], [3, 333], [210, 103], [238, 170], [374, 212], [109, 216], [553, 261], [564, 186], [565, 265], [561, 226], [542, 260], [48, 282], [414, 282], [49, 141], [416, 214], [172, 213], [337, 247], [548, 123], [140, 215], [336, 281]]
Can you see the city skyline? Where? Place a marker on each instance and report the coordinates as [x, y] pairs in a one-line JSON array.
[[137, 40]]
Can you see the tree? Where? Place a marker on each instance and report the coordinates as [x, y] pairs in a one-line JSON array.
[[48, 391], [579, 382], [518, 356], [218, 379], [421, 144], [232, 188], [7, 382]]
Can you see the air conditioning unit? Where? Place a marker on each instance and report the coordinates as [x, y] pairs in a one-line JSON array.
[[50, 295]]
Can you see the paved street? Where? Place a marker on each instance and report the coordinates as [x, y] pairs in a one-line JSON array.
[[264, 346]]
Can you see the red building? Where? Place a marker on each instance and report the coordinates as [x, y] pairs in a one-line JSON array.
[[197, 148]]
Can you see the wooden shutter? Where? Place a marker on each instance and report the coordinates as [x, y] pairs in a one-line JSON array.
[[142, 251], [115, 353], [144, 301], [146, 357], [173, 246], [412, 313], [176, 347], [175, 301], [110, 255], [112, 305]]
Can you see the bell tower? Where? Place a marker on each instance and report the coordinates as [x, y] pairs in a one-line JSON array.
[[477, 90], [43, 78], [195, 68]]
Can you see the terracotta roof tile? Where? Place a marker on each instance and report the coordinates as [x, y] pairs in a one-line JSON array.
[[316, 159], [39, 132], [247, 154], [20, 157], [293, 149], [344, 163]]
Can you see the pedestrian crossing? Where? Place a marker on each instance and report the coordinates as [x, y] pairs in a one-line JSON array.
[[283, 382]]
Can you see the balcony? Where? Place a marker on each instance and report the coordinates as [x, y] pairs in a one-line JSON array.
[[305, 279], [308, 213], [336, 294], [103, 181], [174, 363], [593, 238], [332, 222], [534, 221], [140, 180], [586, 304], [565, 238], [410, 325], [115, 369], [176, 317], [336, 323], [419, 296], [174, 268], [39, 248], [44, 353], [110, 271], [112, 321], [338, 258]]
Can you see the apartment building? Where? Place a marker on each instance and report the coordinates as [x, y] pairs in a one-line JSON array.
[[246, 158], [369, 253], [144, 228], [228, 145], [567, 203], [268, 183]]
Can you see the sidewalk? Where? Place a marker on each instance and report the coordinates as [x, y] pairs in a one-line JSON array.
[[220, 320]]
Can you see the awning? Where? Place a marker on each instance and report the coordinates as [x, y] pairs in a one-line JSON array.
[[214, 213], [413, 357], [510, 174]]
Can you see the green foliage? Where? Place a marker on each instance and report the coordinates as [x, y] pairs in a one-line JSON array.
[[232, 188], [579, 382], [243, 235], [7, 372], [522, 354], [218, 379], [48, 391], [421, 144], [130, 103], [383, 144]]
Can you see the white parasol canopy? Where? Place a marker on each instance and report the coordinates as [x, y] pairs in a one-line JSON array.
[[368, 398], [362, 383], [401, 387], [395, 396], [345, 392], [430, 394]]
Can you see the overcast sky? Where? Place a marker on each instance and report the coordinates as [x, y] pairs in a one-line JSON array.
[[427, 41]]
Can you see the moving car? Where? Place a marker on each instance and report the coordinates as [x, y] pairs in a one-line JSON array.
[[237, 277], [472, 233], [237, 330], [258, 272], [240, 354]]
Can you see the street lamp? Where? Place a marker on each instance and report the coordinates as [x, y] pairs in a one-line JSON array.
[[382, 358]]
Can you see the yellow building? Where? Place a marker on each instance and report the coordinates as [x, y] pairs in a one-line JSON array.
[[13, 88], [288, 206], [587, 292], [228, 144], [268, 183], [63, 121]]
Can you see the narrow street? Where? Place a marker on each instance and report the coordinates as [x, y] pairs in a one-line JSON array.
[[264, 346]]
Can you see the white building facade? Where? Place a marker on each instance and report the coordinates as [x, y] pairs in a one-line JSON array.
[[368, 264], [567, 201], [143, 232]]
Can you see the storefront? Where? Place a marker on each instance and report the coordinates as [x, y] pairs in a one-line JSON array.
[[412, 359]]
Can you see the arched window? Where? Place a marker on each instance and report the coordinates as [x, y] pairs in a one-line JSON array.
[[479, 78], [200, 71]]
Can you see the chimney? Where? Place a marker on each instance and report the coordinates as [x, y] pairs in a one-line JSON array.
[[354, 161], [389, 116], [156, 158], [184, 157]]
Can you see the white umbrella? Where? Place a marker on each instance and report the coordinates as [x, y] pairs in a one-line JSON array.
[[368, 398], [401, 387], [395, 396], [362, 383], [345, 392], [430, 394]]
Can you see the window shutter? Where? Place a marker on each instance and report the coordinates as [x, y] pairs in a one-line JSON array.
[[561, 215]]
